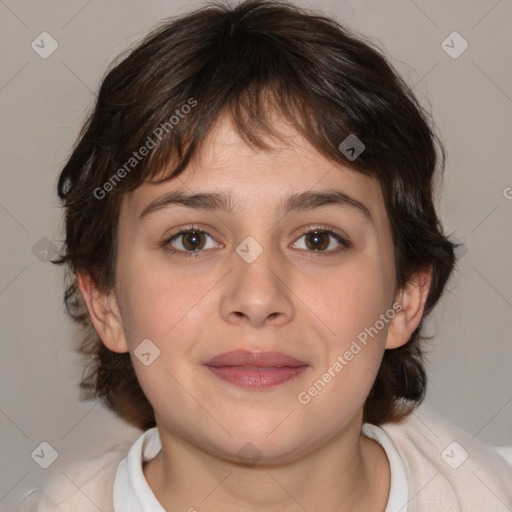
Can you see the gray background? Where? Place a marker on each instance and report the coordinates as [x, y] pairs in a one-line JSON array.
[[43, 102]]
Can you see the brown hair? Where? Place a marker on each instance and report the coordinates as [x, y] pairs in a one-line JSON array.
[[243, 60]]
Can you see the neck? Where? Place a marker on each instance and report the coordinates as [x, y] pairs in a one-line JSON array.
[[348, 473]]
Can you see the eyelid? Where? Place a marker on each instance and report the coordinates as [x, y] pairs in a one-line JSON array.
[[330, 230], [323, 228], [192, 228]]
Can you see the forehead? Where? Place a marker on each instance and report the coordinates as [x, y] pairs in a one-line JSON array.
[[251, 175]]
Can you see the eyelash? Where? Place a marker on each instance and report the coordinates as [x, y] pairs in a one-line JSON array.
[[329, 230]]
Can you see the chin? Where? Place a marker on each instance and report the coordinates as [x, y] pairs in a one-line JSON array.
[[257, 447]]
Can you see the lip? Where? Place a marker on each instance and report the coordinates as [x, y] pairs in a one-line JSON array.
[[255, 370]]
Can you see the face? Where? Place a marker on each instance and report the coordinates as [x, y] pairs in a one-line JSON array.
[[305, 279]]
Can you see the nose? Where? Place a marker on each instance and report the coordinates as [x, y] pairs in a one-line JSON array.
[[256, 293]]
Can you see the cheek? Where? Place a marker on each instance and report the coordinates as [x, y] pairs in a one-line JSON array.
[[352, 301], [170, 313], [161, 306], [341, 382], [337, 395], [354, 306]]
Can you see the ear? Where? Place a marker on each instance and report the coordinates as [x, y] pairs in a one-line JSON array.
[[104, 312], [412, 299]]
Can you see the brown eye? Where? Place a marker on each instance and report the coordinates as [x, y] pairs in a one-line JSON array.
[[317, 240], [193, 240], [190, 242]]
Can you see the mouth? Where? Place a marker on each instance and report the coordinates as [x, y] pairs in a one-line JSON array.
[[255, 370]]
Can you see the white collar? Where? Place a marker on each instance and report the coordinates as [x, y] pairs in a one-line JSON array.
[[131, 490], [399, 488], [133, 494]]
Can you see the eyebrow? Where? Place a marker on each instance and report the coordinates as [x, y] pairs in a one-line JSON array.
[[221, 201]]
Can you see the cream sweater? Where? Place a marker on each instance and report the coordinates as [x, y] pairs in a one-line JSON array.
[[435, 467]]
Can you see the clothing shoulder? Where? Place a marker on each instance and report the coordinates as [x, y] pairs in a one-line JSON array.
[[82, 487], [447, 468]]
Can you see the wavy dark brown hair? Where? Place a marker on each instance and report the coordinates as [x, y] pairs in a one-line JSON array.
[[247, 60]]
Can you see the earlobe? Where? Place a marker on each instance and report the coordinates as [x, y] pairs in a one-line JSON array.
[[412, 298], [104, 313]]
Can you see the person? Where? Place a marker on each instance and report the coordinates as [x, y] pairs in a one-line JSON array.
[[252, 243]]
